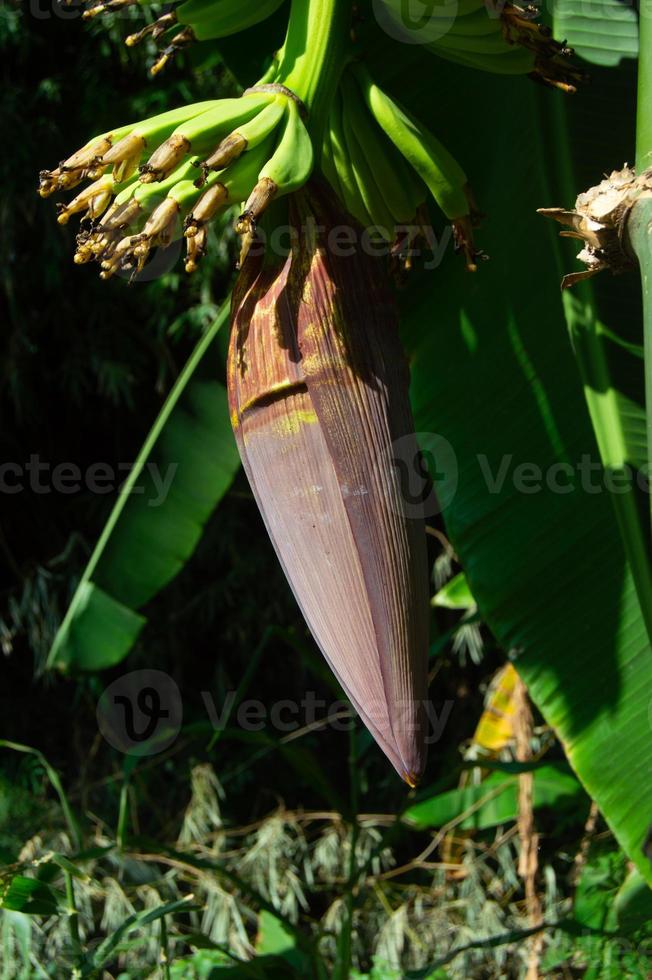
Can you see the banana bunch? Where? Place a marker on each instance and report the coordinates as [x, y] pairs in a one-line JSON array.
[[503, 39], [189, 21], [383, 164], [206, 157]]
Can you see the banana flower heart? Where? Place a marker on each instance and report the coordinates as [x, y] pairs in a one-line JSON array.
[[318, 394]]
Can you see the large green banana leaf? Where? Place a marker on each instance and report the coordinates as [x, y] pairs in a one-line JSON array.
[[184, 468], [493, 373], [603, 31]]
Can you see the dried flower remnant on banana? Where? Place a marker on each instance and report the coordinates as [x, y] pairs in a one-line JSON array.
[[599, 220], [553, 65], [84, 164]]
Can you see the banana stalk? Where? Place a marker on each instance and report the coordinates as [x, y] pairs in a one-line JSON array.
[[318, 393]]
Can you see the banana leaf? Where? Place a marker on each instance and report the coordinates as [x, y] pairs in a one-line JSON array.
[[455, 594], [495, 800], [602, 32], [493, 373], [633, 903], [30, 896], [186, 465]]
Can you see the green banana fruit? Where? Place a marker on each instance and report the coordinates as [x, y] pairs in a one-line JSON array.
[[382, 221], [439, 171], [489, 44], [236, 181], [157, 128], [536, 55], [120, 148], [517, 46], [219, 192], [126, 155], [516, 61], [436, 18], [199, 133], [327, 164], [146, 189], [342, 164], [126, 194], [223, 118], [286, 170], [379, 155], [292, 161], [246, 136], [479, 23], [145, 211], [145, 215], [413, 186], [240, 177]]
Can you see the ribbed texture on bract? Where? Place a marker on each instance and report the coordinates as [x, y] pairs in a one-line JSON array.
[[318, 390]]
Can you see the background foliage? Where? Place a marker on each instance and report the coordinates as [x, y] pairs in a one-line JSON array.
[[303, 851]]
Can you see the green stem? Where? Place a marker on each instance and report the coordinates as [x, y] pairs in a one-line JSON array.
[[53, 776], [313, 55], [639, 230], [644, 103], [639, 225], [165, 951], [343, 966], [123, 815], [73, 921]]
